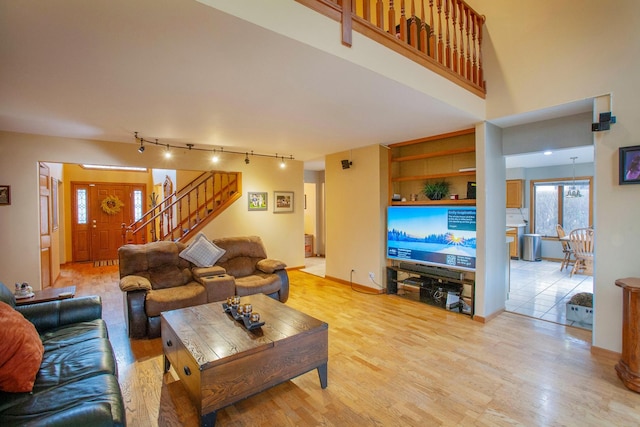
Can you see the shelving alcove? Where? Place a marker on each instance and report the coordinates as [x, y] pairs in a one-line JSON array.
[[450, 156], [412, 163]]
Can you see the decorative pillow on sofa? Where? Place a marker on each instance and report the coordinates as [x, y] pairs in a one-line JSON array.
[[21, 351], [202, 252]]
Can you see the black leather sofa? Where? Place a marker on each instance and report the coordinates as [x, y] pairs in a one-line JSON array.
[[77, 382]]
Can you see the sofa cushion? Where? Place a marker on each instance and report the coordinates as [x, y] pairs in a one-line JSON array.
[[250, 246], [73, 334], [240, 266], [20, 351], [159, 300], [134, 283], [202, 252], [168, 276], [75, 362], [93, 401]]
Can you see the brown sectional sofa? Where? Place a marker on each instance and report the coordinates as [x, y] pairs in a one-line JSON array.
[[154, 278]]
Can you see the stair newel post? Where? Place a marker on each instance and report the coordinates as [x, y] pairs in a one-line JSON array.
[[440, 57], [447, 48], [423, 31], [454, 10], [392, 19], [403, 23], [413, 26], [461, 66], [380, 14], [432, 39]]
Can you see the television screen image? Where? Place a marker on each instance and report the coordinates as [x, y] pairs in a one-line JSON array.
[[443, 236]]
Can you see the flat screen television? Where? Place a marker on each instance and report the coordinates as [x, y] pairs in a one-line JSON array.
[[443, 236]]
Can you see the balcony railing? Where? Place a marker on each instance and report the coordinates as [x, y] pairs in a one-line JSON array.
[[442, 35]]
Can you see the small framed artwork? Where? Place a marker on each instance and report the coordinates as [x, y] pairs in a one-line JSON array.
[[257, 201], [5, 194], [283, 201], [629, 165]]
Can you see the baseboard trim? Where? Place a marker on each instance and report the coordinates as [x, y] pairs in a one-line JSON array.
[[599, 351], [356, 286], [483, 319]]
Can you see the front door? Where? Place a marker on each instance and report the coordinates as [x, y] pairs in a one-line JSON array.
[[99, 210]]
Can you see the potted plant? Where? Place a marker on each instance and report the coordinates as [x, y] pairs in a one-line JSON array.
[[436, 190]]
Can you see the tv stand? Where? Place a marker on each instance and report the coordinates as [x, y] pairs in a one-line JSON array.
[[452, 290]]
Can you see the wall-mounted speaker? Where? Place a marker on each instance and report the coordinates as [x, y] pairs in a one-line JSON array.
[[605, 120], [346, 164]]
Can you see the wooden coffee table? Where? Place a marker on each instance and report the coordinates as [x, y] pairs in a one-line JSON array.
[[220, 362]]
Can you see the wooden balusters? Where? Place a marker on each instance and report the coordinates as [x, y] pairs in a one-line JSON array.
[[403, 23], [454, 9], [380, 14], [447, 50], [413, 26], [392, 19], [423, 31], [449, 32]]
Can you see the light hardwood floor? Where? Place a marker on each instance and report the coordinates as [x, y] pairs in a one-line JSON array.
[[392, 362]]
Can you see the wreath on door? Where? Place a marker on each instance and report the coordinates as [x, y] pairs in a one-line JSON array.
[[111, 205]]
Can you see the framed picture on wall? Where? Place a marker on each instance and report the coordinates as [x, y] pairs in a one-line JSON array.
[[283, 201], [257, 201], [5, 195], [629, 165]]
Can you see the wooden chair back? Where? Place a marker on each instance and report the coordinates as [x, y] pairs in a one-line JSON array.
[[582, 244]]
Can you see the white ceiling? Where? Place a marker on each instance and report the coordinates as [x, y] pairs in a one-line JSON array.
[[183, 72]]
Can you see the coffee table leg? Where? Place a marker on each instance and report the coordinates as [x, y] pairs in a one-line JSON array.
[[322, 373], [208, 420]]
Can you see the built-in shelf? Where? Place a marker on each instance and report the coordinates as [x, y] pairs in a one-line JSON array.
[[450, 157]]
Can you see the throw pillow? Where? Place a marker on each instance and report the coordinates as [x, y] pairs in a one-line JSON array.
[[202, 252], [21, 351]]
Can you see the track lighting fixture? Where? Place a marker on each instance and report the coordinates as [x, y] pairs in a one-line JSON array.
[[214, 158]]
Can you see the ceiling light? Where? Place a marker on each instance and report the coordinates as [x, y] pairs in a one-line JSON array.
[[167, 153], [282, 164], [246, 158], [548, 153], [215, 157], [573, 191]]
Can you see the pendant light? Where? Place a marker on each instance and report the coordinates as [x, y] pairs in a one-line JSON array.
[[573, 191]]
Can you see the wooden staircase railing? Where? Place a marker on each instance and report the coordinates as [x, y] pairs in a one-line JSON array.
[[445, 37], [187, 210]]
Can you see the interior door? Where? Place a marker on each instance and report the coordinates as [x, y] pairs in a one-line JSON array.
[[99, 210], [45, 226]]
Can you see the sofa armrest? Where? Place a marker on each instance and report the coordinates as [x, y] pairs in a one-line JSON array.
[[134, 283], [53, 314], [270, 266], [199, 272]]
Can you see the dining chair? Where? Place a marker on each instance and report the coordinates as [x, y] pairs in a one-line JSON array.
[[566, 248], [582, 244]]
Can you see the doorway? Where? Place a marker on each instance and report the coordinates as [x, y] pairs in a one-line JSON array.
[[98, 211]]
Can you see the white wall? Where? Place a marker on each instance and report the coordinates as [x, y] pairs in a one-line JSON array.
[[543, 53], [356, 200], [19, 156]]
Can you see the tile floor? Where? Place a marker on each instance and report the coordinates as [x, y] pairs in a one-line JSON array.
[[539, 289]]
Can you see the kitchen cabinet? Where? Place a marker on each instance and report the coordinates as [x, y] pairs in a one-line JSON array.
[[514, 247], [514, 193], [450, 157]]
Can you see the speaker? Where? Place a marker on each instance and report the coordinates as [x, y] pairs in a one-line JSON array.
[[471, 190], [605, 120], [346, 164]]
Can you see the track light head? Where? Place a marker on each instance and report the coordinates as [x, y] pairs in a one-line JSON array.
[[246, 159], [141, 149]]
